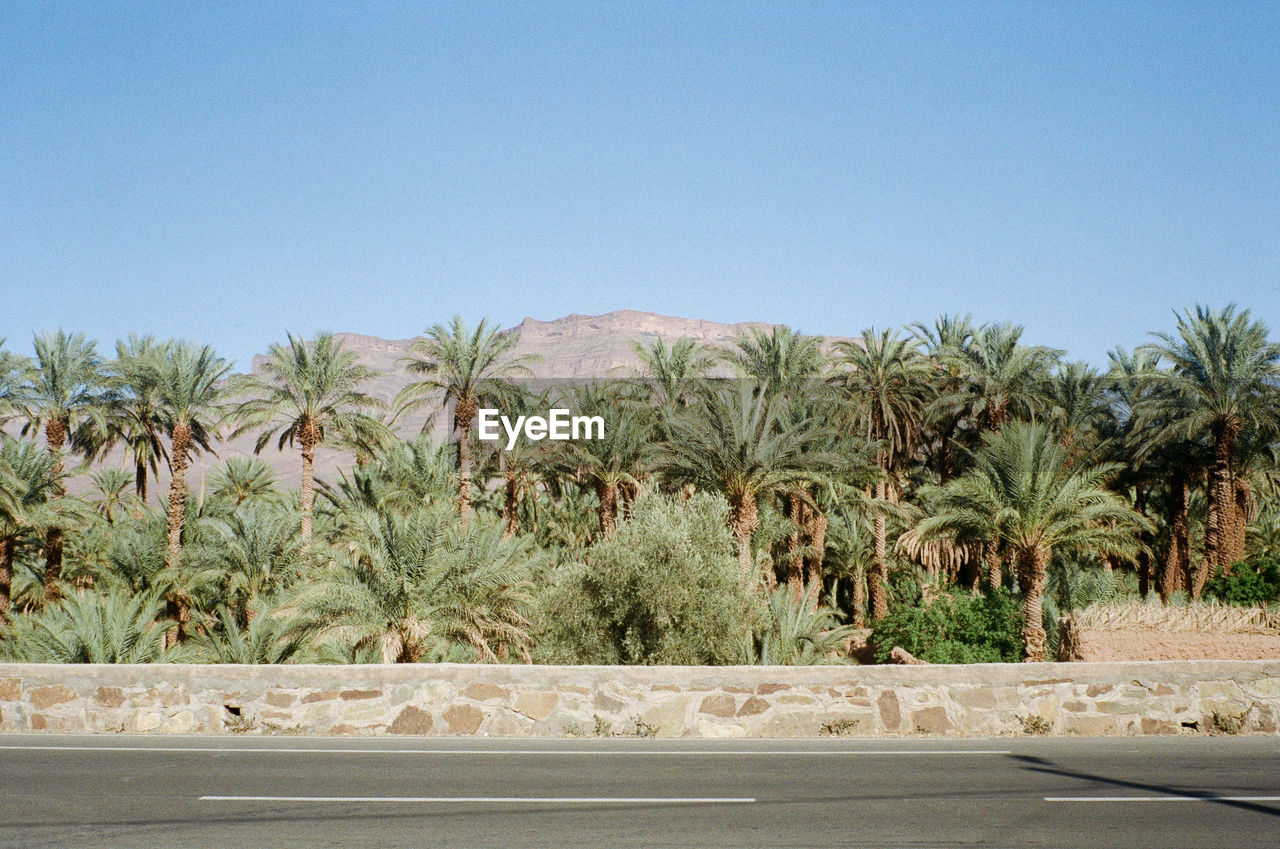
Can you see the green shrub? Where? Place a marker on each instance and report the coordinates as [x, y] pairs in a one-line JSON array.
[[954, 628], [1250, 582], [664, 589]]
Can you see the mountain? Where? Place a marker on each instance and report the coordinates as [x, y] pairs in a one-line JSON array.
[[572, 347]]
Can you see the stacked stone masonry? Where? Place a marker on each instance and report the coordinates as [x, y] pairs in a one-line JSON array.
[[1175, 697]]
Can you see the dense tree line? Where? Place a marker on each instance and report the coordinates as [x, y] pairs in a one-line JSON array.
[[753, 504]]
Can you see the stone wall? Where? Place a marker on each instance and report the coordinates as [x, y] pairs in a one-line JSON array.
[[512, 701]]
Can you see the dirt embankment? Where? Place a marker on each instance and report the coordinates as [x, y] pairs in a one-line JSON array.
[[1134, 644]]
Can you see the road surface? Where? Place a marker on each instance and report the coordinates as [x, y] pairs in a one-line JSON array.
[[160, 792]]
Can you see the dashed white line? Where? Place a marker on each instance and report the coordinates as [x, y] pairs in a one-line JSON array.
[[1179, 798], [500, 800]]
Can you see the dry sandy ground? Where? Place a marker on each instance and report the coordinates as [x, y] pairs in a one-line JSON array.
[[1174, 645]]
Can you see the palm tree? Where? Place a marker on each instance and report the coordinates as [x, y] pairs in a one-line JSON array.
[[116, 627], [190, 391], [417, 583], [243, 479], [15, 376], [674, 373], [468, 367], [1023, 489], [305, 394], [782, 361], [1078, 406], [1227, 372], [731, 443], [64, 386], [617, 459], [887, 387], [133, 414], [1001, 378]]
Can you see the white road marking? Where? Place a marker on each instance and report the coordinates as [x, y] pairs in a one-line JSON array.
[[501, 800], [611, 752], [1162, 798]]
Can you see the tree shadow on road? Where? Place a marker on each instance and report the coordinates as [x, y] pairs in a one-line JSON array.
[[1043, 765]]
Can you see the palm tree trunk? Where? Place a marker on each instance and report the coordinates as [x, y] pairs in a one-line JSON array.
[[743, 520], [177, 492], [995, 570], [510, 503], [140, 480], [1222, 502], [878, 580], [464, 413], [607, 491], [859, 600], [795, 563], [1177, 565], [1032, 567], [55, 432], [309, 439], [7, 548], [179, 609], [1243, 493], [816, 539]]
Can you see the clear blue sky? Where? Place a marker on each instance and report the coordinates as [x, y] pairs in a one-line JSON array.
[[224, 171]]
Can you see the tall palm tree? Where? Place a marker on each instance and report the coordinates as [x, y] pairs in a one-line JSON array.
[[1001, 377], [1227, 371], [190, 392], [1023, 489], [133, 415], [731, 443], [887, 386], [64, 387], [467, 367], [304, 394]]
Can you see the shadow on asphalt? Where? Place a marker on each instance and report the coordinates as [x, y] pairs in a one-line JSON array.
[[1048, 767]]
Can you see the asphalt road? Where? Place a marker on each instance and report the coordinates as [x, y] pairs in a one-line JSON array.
[[160, 792]]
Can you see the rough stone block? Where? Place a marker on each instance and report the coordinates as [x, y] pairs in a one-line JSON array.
[[112, 697], [721, 705], [353, 695], [10, 689], [463, 719], [537, 706], [411, 720], [46, 697], [281, 700], [974, 697], [933, 720], [753, 705], [669, 717], [1159, 726], [890, 712], [482, 691]]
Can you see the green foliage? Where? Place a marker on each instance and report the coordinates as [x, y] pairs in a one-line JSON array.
[[1251, 582], [663, 590], [955, 628], [115, 627], [795, 631]]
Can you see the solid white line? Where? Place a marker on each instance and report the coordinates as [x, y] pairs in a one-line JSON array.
[[1162, 798], [612, 752], [501, 800]]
